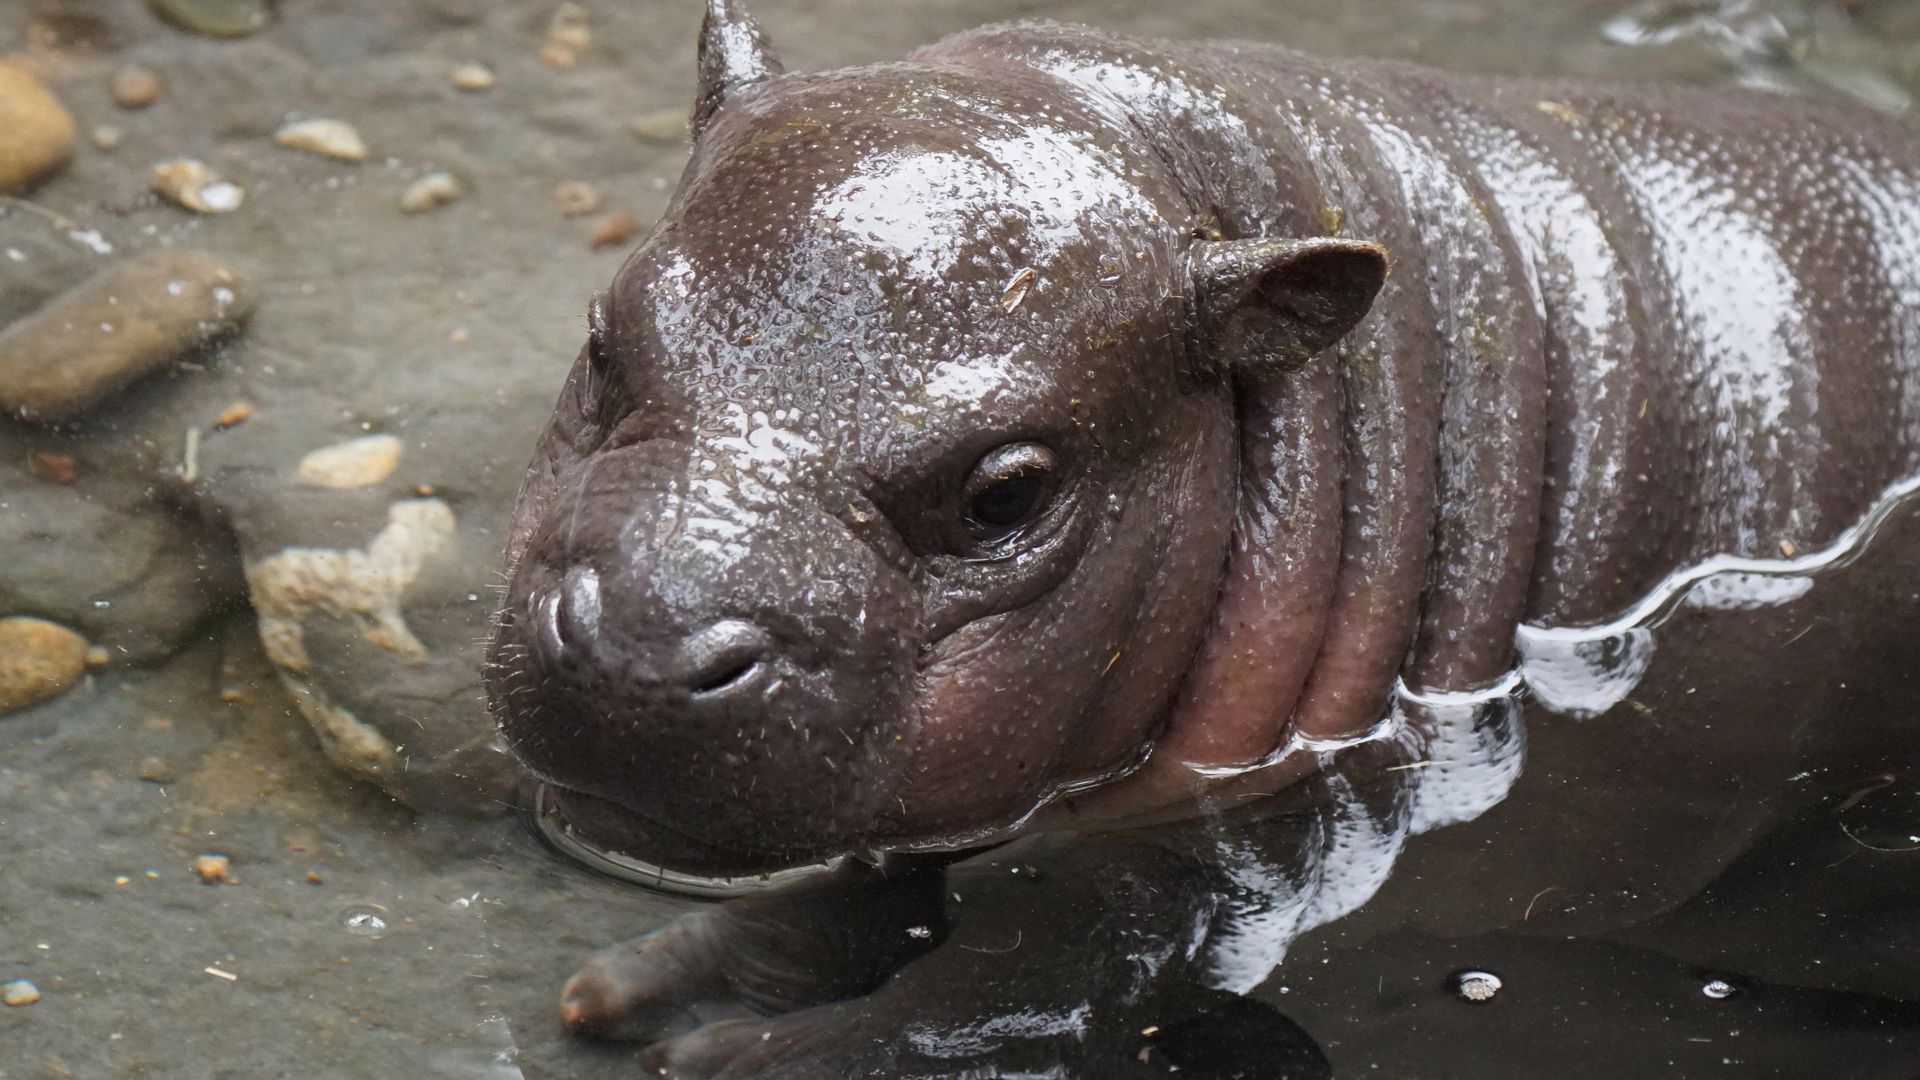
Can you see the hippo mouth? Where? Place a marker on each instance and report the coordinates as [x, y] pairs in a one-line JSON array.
[[600, 834]]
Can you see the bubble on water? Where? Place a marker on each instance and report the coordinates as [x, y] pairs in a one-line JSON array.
[[1477, 986], [1718, 989], [365, 920]]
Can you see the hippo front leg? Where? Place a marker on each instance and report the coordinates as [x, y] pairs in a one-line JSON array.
[[820, 940], [1043, 967]]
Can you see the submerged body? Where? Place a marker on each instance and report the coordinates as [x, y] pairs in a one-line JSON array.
[[1057, 429]]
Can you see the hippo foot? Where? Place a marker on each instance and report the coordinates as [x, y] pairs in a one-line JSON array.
[[858, 975], [760, 956]]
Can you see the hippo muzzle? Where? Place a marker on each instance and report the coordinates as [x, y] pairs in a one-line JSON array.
[[682, 648]]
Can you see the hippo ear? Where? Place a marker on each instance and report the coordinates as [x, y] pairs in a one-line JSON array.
[[734, 53], [1261, 307]]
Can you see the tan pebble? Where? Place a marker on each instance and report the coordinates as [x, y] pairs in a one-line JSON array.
[[472, 77], [236, 413], [615, 229], [196, 186], [555, 55], [458, 335], [19, 992], [147, 310], [136, 88], [329, 138], [214, 869], [368, 459], [52, 468], [39, 131], [233, 696], [570, 26], [314, 878], [38, 660], [1787, 549], [106, 136], [155, 770], [661, 125], [431, 190], [576, 198], [98, 656]]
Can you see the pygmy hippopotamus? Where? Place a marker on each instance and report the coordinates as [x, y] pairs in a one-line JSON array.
[[1054, 431]]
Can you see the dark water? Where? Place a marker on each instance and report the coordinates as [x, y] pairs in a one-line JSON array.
[[1663, 878]]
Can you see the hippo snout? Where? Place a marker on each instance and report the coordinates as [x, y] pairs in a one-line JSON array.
[[680, 661], [728, 658]]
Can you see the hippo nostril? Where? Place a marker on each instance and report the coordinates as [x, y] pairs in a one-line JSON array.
[[548, 631], [567, 618], [723, 656]]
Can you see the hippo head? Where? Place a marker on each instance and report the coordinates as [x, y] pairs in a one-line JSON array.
[[890, 494]]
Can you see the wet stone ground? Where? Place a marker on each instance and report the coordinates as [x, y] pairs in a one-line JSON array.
[[273, 512]]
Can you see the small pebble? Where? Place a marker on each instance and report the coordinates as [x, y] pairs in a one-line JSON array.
[[314, 878], [329, 138], [52, 468], [197, 187], [39, 131], [355, 463], [214, 869], [154, 307], [98, 656], [661, 126], [215, 18], [136, 88], [155, 770], [19, 992], [106, 136], [568, 35], [38, 660], [431, 190], [234, 414], [615, 229], [472, 77], [576, 198]]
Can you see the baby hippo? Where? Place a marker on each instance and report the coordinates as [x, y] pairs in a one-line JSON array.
[[1090, 439]]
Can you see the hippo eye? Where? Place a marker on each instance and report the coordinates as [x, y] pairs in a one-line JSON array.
[[1008, 490]]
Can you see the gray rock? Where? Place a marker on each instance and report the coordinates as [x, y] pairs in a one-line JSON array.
[[119, 326]]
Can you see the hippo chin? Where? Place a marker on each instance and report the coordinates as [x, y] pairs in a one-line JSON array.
[[1056, 429]]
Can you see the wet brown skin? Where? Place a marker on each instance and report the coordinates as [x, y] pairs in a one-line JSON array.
[[755, 614]]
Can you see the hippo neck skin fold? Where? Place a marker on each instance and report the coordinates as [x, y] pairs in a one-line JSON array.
[[1624, 338]]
